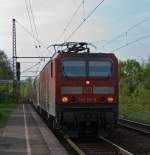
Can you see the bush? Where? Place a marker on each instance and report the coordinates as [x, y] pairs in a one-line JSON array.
[[135, 91]]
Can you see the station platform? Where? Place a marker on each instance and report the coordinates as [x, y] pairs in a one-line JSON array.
[[27, 134]]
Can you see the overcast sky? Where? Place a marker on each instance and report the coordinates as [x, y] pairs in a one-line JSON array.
[[111, 19]]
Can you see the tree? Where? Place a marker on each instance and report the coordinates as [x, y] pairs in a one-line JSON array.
[[129, 73], [5, 73], [24, 87], [5, 67], [129, 68]]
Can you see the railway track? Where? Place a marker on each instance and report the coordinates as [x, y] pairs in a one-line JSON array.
[[124, 141], [96, 146], [139, 127]]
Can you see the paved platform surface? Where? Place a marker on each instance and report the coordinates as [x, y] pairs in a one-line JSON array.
[[27, 134]]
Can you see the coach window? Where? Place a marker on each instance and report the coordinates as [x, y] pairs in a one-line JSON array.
[[51, 69]]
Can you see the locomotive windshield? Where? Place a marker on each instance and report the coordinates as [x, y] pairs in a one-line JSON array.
[[100, 68], [90, 68], [74, 68]]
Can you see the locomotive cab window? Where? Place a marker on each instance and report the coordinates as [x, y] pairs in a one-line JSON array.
[[100, 68], [74, 68], [85, 68]]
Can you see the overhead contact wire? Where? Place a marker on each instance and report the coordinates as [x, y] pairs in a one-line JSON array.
[[31, 26], [30, 67], [84, 20], [31, 34], [132, 42], [34, 23], [70, 21], [76, 11], [126, 32]]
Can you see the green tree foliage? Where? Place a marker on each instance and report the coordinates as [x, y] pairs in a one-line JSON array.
[[129, 71], [5, 73], [24, 87], [133, 75], [5, 67], [135, 90], [129, 68]]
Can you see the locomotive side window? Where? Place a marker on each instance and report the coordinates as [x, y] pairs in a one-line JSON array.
[[51, 69], [74, 68], [100, 68]]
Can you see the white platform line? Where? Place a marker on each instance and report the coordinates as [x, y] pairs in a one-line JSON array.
[[26, 133], [3, 134]]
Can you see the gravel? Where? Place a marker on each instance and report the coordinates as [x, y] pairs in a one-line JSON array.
[[132, 141]]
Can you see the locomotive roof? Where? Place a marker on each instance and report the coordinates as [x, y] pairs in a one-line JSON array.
[[76, 49], [83, 55]]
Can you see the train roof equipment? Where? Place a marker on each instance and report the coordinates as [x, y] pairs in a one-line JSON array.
[[76, 47]]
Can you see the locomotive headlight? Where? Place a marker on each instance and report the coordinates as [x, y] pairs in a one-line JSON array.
[[110, 99], [64, 99], [87, 82]]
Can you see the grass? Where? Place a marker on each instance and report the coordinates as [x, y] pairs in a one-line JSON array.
[[135, 109], [6, 108]]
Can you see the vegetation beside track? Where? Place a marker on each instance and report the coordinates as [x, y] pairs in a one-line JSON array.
[[135, 90], [7, 97], [6, 108]]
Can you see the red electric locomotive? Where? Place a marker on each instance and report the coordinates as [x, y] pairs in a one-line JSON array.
[[77, 91]]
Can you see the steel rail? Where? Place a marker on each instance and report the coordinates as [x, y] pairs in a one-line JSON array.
[[121, 150], [81, 152], [139, 127], [74, 146], [142, 124]]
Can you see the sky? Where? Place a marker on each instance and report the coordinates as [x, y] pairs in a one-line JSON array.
[[111, 18]]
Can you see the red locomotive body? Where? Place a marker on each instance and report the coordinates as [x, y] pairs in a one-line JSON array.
[[79, 91]]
